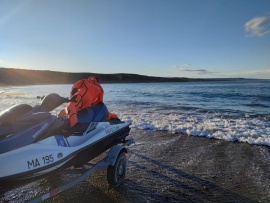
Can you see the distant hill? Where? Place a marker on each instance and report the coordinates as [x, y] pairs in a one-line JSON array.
[[12, 76]]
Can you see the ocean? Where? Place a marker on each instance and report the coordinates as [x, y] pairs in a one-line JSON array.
[[232, 111]]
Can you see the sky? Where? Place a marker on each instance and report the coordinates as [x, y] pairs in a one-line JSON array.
[[168, 38]]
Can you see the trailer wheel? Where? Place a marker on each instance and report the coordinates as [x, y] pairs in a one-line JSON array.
[[116, 174]]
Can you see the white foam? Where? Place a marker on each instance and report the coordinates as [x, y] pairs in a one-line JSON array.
[[252, 131]]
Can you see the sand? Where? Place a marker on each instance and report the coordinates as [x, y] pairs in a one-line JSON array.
[[166, 167]]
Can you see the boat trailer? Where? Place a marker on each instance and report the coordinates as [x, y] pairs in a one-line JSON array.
[[115, 162]]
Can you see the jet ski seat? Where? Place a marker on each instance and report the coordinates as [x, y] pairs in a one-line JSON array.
[[95, 113], [14, 113], [23, 124]]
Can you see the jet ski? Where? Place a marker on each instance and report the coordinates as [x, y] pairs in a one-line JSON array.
[[35, 143]]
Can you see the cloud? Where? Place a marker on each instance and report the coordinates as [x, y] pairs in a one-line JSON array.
[[257, 27], [198, 71], [183, 68]]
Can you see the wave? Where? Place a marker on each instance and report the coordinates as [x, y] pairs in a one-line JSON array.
[[250, 130], [258, 105]]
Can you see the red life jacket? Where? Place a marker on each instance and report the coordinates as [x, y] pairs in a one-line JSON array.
[[86, 93]]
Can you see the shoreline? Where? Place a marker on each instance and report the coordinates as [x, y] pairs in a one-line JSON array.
[[138, 82], [166, 167], [23, 77]]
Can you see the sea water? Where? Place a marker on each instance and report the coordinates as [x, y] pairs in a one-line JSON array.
[[232, 111]]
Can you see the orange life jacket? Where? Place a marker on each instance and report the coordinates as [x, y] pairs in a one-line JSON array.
[[86, 93]]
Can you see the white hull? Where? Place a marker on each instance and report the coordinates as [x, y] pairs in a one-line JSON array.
[[54, 152]]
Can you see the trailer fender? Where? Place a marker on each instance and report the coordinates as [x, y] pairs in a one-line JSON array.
[[114, 153]]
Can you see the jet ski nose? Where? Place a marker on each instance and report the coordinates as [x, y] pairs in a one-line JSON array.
[[53, 100]]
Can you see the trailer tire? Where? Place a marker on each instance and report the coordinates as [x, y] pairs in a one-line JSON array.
[[116, 174]]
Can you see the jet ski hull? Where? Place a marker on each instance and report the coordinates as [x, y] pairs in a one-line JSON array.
[[57, 153]]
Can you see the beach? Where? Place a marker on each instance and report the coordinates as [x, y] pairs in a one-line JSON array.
[[165, 167], [194, 142]]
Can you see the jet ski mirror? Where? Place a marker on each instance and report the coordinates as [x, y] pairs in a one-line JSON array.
[[52, 101]]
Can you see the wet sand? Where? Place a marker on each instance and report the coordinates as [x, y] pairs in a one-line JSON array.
[[166, 167]]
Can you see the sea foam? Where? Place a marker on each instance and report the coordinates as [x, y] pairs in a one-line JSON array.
[[250, 130]]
